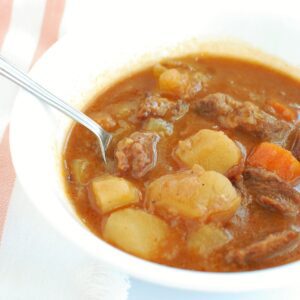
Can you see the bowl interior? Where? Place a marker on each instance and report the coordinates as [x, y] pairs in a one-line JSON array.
[[76, 69]]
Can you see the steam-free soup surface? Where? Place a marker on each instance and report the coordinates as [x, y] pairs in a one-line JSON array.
[[203, 167]]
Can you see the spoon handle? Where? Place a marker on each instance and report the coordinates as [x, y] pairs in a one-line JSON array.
[[24, 81]]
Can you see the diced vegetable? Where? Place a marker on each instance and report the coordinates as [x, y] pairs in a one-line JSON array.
[[283, 112], [211, 149], [172, 81], [111, 192], [194, 194], [181, 83], [136, 231], [207, 239], [159, 126], [78, 168], [275, 159]]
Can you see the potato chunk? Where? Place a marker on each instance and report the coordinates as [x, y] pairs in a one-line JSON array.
[[180, 83], [172, 81], [111, 192], [136, 232], [207, 239], [211, 149], [194, 194]]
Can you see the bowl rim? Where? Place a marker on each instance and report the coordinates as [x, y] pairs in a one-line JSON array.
[[149, 271]]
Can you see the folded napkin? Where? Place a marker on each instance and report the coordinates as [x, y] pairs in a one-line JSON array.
[[35, 261]]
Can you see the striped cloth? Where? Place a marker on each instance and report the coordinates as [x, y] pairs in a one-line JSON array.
[[46, 23], [35, 262]]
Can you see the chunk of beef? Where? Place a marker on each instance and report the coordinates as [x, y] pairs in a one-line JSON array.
[[280, 206], [137, 153], [270, 191], [236, 171], [246, 116], [273, 245], [295, 145], [156, 106]]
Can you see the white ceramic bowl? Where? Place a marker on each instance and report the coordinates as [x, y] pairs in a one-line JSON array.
[[74, 69]]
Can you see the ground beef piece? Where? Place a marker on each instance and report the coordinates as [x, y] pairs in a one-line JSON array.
[[137, 153], [270, 191], [273, 245], [230, 113], [156, 106]]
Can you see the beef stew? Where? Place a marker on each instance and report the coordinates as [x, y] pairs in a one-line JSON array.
[[203, 168]]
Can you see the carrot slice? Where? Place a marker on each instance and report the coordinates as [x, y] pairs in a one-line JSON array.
[[275, 159], [283, 111]]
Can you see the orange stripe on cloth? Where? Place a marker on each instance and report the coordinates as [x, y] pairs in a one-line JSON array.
[[7, 177], [50, 29], [5, 16], [49, 34]]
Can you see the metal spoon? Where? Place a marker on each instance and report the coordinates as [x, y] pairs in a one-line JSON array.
[[17, 76]]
